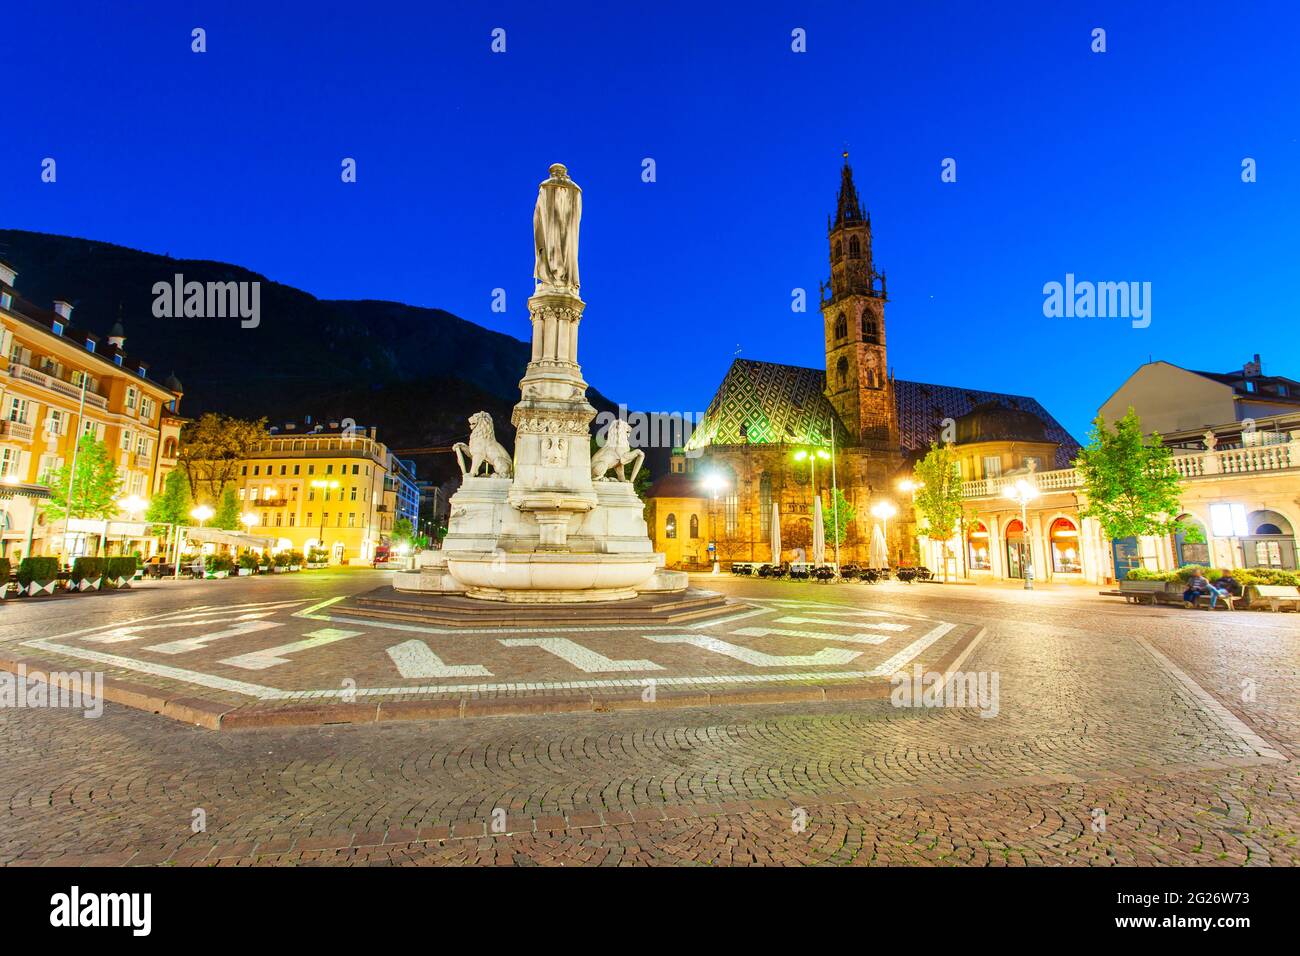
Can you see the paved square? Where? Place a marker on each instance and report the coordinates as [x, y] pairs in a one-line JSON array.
[[1123, 735], [297, 650]]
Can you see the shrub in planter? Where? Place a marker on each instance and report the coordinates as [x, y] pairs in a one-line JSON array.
[[38, 575], [282, 560], [1143, 574], [219, 565], [296, 560], [1275, 576], [119, 571], [4, 578], [88, 573], [247, 563]]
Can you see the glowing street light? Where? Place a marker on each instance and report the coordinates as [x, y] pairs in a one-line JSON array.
[[811, 455], [714, 482], [133, 505], [248, 520], [201, 514], [1022, 492]]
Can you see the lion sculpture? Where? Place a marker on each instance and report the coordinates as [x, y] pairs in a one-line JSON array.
[[483, 448], [617, 452]]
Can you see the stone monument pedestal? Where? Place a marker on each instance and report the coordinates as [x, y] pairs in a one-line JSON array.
[[547, 525]]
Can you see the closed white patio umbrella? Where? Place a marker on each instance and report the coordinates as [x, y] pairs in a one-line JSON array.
[[818, 533], [879, 550], [776, 533]]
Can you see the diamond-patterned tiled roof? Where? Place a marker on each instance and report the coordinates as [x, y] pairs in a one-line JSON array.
[[776, 403], [772, 403]]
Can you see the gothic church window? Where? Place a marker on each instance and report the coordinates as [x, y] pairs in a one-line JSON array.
[[870, 327], [841, 327], [855, 248], [837, 250], [842, 371]]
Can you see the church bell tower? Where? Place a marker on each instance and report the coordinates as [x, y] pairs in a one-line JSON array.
[[853, 315]]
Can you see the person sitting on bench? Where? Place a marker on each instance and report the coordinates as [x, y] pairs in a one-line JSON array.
[[1196, 586], [1229, 584]]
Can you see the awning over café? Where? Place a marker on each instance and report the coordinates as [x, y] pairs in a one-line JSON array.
[[234, 539]]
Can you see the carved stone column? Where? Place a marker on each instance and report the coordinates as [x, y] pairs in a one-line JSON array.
[[552, 423]]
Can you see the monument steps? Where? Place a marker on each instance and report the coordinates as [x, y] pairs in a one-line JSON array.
[[454, 610]]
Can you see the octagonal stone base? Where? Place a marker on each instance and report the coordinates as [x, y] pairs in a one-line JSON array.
[[552, 578]]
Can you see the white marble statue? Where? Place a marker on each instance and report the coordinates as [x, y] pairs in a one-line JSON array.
[[483, 448], [555, 232], [617, 452]]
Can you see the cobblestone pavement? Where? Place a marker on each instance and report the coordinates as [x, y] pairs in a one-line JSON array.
[[1122, 735], [254, 648]]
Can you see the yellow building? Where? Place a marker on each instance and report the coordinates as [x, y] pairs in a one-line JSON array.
[[60, 382], [680, 520], [331, 487]]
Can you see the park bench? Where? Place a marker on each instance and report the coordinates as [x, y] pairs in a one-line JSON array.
[[1149, 592], [1274, 596], [1225, 600]]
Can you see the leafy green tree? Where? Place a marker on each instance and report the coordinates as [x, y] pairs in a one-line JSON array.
[[95, 486], [835, 534], [173, 505], [226, 516], [213, 448], [403, 531], [938, 495], [1129, 479]]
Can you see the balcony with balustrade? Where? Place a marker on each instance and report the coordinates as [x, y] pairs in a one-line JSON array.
[[15, 431], [31, 376], [1224, 463]]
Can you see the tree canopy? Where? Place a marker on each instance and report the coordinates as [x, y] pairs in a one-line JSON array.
[[1130, 481], [227, 512], [173, 504], [938, 495], [212, 448], [95, 486]]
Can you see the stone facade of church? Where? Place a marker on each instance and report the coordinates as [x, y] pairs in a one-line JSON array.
[[780, 434]]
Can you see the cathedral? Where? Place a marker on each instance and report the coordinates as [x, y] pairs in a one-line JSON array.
[[782, 434]]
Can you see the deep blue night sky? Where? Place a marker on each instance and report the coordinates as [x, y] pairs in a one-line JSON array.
[[1120, 166]]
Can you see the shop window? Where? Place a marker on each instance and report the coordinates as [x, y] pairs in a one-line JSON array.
[[977, 547], [1064, 539]]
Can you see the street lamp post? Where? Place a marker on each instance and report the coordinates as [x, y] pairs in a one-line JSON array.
[[1023, 492], [133, 505], [714, 483]]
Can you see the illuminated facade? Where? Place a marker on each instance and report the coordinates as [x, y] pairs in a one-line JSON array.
[[336, 488], [768, 433], [59, 382]]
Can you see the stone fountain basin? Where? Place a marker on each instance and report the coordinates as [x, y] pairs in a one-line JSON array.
[[558, 577]]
